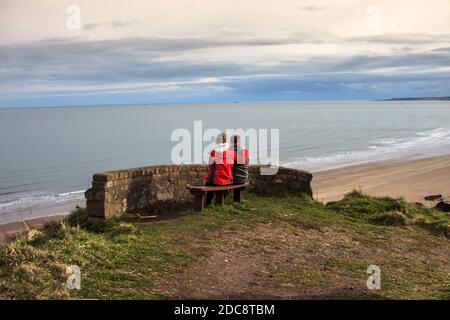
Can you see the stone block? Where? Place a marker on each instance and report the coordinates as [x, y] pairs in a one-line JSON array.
[[116, 192]]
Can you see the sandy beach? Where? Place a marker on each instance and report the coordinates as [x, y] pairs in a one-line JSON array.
[[19, 223], [42, 211], [412, 180]]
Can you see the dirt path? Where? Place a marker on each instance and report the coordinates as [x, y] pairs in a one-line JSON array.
[[292, 263], [249, 265]]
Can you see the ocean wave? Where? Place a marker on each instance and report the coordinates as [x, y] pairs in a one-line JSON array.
[[422, 144], [30, 200], [425, 143]]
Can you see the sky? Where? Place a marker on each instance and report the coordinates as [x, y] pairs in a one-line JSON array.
[[88, 52]]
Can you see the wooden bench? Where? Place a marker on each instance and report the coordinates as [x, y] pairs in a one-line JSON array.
[[199, 192]]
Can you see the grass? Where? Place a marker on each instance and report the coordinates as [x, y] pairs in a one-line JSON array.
[[391, 212], [327, 246]]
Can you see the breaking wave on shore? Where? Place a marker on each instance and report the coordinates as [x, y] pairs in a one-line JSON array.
[[49, 155], [27, 202], [424, 144]]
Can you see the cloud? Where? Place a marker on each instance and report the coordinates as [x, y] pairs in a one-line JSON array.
[[445, 49], [158, 65], [116, 24], [412, 39], [312, 8]]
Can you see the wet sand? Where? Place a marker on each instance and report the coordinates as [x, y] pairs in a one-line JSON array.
[[55, 209], [16, 229], [16, 224], [412, 180]]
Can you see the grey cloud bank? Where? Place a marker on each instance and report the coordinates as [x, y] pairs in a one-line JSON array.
[[177, 69]]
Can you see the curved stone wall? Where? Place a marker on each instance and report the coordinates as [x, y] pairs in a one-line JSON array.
[[157, 188]]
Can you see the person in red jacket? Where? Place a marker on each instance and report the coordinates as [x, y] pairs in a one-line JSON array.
[[221, 161]]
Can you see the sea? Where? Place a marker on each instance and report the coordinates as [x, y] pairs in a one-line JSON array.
[[49, 154]]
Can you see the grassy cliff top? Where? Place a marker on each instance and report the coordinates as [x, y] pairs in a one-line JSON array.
[[265, 247]]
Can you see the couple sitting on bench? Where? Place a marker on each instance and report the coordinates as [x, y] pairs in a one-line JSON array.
[[228, 165]]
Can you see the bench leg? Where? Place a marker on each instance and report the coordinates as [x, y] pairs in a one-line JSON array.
[[199, 202], [219, 198], [237, 195]]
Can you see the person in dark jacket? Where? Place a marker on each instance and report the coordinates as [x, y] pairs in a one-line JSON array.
[[240, 166], [221, 161]]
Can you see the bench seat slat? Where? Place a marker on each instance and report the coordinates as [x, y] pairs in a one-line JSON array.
[[217, 188], [199, 192]]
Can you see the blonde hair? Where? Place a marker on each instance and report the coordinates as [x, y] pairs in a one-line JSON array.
[[221, 137]]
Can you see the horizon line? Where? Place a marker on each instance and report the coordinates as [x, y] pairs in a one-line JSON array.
[[221, 102]]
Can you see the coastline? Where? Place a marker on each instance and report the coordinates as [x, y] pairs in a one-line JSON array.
[[16, 229], [41, 211], [410, 179], [15, 225]]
